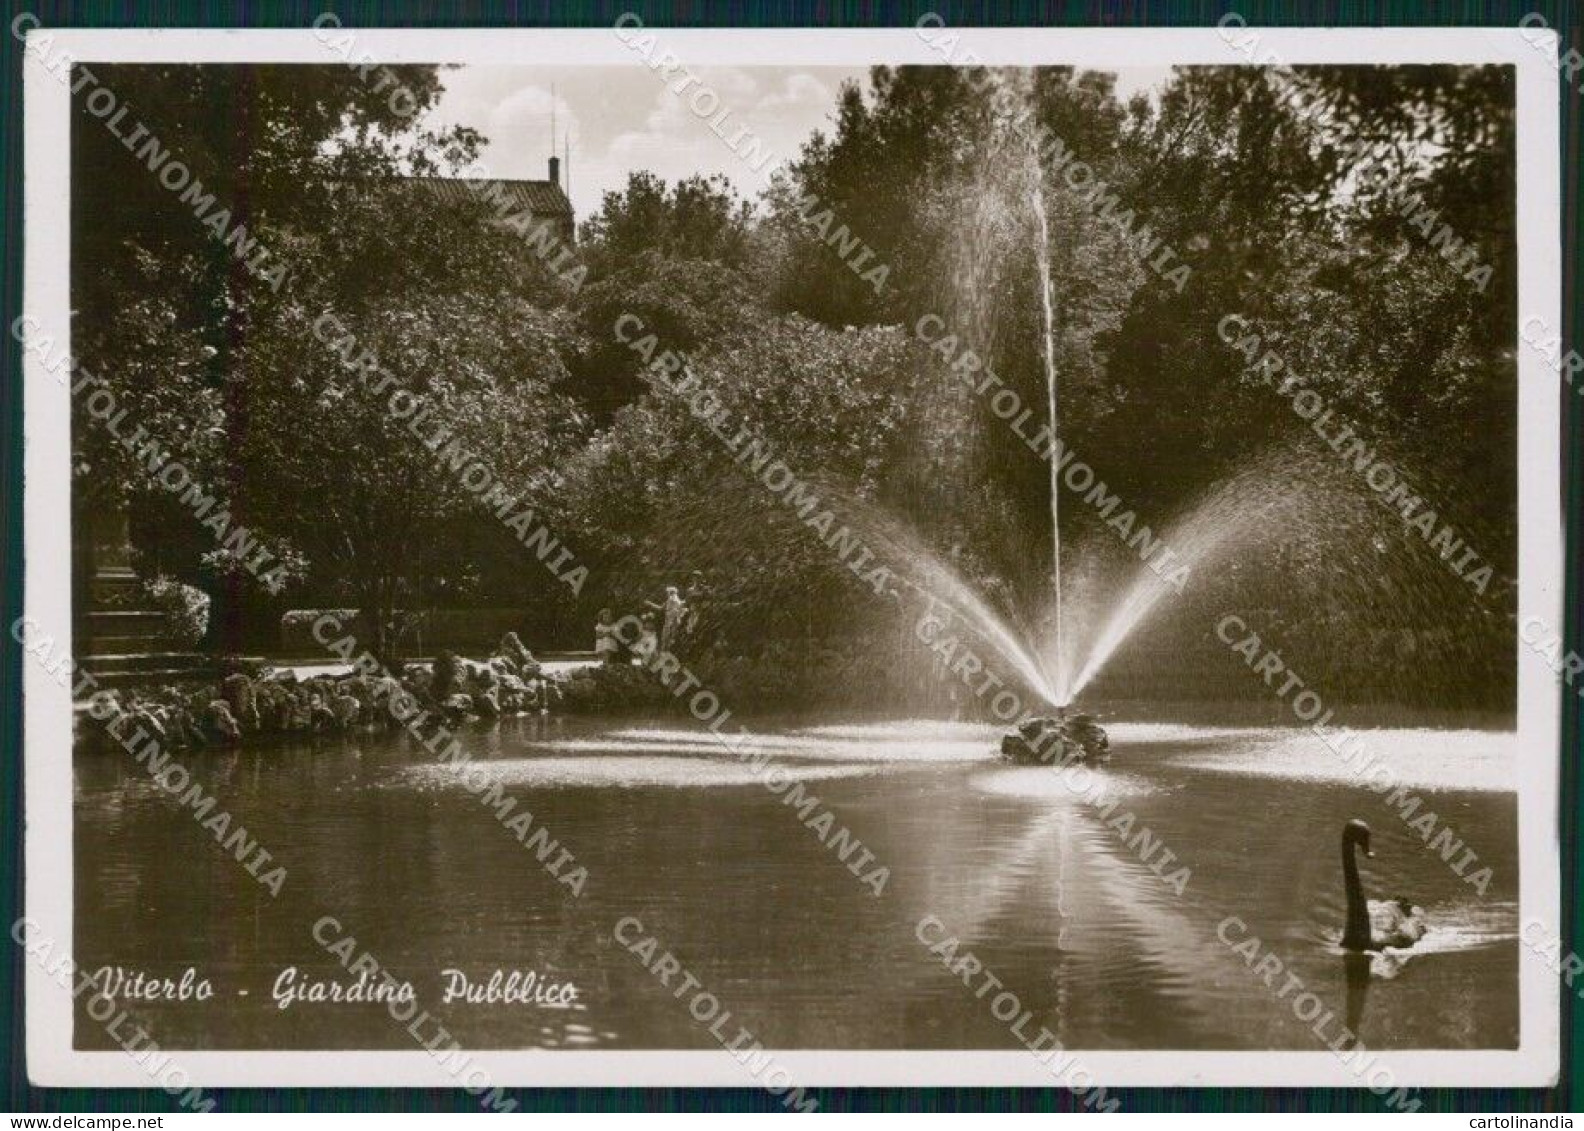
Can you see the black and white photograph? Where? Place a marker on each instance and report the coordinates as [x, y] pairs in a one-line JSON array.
[[933, 556]]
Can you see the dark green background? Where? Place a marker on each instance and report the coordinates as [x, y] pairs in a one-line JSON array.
[[16, 1094]]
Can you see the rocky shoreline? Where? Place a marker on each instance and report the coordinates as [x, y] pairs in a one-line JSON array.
[[262, 700]]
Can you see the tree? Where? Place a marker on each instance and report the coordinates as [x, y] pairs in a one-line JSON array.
[[696, 218], [687, 303], [379, 478], [658, 495], [225, 366]]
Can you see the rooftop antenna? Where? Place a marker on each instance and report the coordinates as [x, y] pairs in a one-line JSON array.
[[566, 149], [552, 119]]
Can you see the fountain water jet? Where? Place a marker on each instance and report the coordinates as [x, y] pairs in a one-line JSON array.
[[1292, 494], [941, 586], [1220, 521], [1063, 691]]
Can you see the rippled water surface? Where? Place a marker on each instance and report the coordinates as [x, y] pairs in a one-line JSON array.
[[1053, 894]]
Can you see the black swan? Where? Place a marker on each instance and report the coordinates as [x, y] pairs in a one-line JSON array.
[[1375, 924]]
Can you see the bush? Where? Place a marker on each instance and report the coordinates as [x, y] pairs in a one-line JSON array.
[[186, 608]]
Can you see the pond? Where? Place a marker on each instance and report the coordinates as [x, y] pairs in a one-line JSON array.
[[1066, 901]]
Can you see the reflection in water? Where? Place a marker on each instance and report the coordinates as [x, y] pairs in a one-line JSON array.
[[1357, 968], [1038, 884]]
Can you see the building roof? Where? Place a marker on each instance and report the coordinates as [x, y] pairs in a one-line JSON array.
[[542, 198]]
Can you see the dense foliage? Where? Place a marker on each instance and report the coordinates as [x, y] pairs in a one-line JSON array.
[[1316, 205]]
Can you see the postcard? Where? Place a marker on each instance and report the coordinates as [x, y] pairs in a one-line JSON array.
[[793, 558]]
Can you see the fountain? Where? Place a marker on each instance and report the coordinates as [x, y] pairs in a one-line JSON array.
[[1080, 632], [1063, 738], [1287, 491], [1060, 740]]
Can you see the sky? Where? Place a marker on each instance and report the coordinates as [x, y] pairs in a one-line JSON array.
[[622, 119]]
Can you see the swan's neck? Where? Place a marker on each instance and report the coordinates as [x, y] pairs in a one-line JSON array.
[[1356, 935]]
